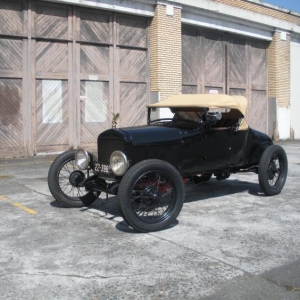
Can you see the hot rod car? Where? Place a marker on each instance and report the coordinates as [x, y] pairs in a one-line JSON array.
[[187, 137]]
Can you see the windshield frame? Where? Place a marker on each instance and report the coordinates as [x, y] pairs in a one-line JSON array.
[[184, 114]]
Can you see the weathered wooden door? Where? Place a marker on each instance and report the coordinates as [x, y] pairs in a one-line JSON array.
[[64, 70], [132, 69], [52, 58], [12, 116], [215, 62], [191, 55], [258, 106], [86, 70], [94, 57], [114, 77], [203, 64], [237, 66], [247, 76]]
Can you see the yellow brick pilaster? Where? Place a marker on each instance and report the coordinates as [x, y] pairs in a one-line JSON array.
[[165, 51], [279, 69]]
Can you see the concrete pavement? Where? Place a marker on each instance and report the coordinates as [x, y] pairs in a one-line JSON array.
[[229, 242]]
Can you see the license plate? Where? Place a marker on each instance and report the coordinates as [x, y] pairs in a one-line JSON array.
[[102, 168]]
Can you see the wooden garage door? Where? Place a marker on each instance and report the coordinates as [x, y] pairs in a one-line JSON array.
[[132, 76], [257, 113], [86, 71], [94, 51], [114, 77], [53, 53], [203, 64], [215, 62], [64, 72], [12, 121]]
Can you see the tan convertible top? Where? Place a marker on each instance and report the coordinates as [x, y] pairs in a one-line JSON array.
[[207, 100]]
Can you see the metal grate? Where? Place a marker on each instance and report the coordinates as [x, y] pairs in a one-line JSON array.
[[107, 146]]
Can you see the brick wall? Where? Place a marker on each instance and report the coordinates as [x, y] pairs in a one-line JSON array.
[[261, 9], [165, 52], [278, 51], [279, 69], [272, 68]]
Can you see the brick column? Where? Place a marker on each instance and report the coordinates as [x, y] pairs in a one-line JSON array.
[[279, 69], [279, 80], [165, 51]]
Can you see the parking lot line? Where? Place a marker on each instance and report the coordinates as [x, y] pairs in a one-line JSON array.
[[30, 211]]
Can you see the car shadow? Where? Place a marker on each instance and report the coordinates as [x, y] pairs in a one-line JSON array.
[[124, 227], [194, 192], [218, 188]]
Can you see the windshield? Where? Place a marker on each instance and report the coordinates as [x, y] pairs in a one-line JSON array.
[[193, 117], [166, 114], [188, 118]]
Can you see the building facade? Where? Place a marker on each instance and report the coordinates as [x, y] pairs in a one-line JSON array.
[[67, 67]]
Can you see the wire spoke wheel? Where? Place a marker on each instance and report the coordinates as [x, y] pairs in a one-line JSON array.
[[65, 179], [273, 168], [151, 195], [67, 176], [152, 198]]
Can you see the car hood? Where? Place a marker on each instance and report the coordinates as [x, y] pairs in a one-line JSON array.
[[142, 135]]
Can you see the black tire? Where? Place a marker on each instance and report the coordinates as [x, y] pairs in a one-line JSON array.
[[200, 178], [151, 195], [60, 186], [273, 168]]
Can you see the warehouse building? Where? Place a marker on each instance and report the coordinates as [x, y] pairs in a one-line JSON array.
[[66, 67]]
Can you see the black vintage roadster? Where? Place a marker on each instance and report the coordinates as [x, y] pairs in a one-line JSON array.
[[188, 137]]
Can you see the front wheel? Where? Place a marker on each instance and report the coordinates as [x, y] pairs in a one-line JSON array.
[[151, 195], [64, 180], [273, 168]]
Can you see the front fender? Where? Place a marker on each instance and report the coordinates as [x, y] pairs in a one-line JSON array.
[[257, 142], [258, 152]]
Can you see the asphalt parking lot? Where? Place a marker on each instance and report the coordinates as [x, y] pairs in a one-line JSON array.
[[229, 242]]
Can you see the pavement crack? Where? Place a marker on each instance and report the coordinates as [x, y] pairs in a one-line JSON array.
[[30, 189], [65, 275], [77, 276], [204, 254], [112, 218], [288, 288]]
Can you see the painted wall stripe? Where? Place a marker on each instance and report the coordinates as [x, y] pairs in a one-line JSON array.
[[30, 211]]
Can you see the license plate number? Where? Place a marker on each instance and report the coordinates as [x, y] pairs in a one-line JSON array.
[[102, 168]]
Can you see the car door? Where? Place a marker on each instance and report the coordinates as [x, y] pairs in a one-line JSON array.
[[238, 145], [218, 148], [192, 152]]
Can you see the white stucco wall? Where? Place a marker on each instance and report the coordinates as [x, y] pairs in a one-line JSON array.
[[221, 15], [295, 87], [135, 7], [284, 122]]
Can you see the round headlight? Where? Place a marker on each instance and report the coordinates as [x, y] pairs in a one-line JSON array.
[[82, 159], [118, 163]]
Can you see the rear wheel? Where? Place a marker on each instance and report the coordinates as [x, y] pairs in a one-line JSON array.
[[64, 180], [273, 168], [151, 195]]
